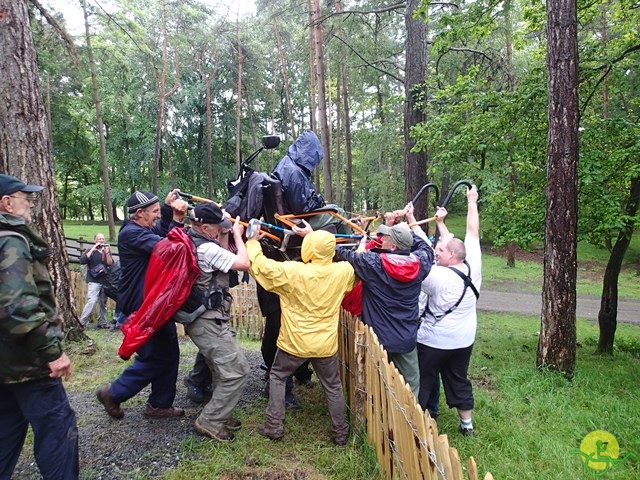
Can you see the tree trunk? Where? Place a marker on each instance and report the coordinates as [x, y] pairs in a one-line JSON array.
[[100, 126], [167, 149], [342, 72], [415, 163], [284, 79], [348, 188], [239, 102], [511, 254], [252, 125], [312, 66], [26, 146], [322, 105], [207, 82], [513, 179], [338, 141], [607, 316], [163, 96], [557, 343]]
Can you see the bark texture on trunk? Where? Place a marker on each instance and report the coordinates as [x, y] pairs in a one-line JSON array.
[[25, 145], [415, 163], [557, 343]]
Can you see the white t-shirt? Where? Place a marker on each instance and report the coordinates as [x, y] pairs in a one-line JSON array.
[[443, 287], [212, 257]]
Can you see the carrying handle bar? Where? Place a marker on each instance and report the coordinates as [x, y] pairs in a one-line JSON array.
[[425, 188], [453, 189]]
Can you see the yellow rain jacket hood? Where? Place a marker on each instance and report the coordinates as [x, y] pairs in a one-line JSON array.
[[310, 294]]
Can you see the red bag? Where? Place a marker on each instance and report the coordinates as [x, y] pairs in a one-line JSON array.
[[172, 271]]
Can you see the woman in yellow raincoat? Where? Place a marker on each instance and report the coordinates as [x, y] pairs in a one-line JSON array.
[[310, 296]]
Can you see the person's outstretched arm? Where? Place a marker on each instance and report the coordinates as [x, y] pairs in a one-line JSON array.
[[473, 219], [441, 214]]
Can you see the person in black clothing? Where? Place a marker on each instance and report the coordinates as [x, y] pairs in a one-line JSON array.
[[97, 259], [270, 308], [156, 362]]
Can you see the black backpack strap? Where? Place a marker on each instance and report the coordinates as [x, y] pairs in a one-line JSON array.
[[467, 280], [467, 284]]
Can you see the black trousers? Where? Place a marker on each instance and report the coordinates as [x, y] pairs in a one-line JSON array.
[[453, 366]]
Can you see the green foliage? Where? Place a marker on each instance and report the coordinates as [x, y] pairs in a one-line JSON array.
[[485, 105]]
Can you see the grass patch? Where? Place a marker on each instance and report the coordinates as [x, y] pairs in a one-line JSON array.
[[77, 229], [528, 422], [527, 275]]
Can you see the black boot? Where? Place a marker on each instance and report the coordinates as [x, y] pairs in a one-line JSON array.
[[289, 400]]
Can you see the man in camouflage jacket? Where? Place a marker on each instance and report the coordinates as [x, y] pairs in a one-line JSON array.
[[32, 361]]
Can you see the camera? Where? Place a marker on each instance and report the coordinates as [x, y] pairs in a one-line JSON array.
[[102, 245]]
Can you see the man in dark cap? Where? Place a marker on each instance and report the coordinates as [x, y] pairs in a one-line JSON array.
[[32, 360], [391, 278], [209, 325], [156, 362]]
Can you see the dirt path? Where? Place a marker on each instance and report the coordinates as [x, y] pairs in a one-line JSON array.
[[136, 447], [528, 303]]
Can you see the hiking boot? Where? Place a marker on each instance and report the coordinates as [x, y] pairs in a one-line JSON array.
[[111, 406], [170, 412], [292, 404], [194, 392], [208, 391], [467, 432], [221, 435], [307, 383], [271, 433], [103, 325], [233, 424], [340, 441]]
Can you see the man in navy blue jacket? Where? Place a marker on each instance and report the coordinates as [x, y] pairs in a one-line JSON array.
[[391, 279], [156, 362]]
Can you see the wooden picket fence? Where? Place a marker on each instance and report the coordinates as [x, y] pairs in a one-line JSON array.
[[245, 311], [408, 445], [406, 439]]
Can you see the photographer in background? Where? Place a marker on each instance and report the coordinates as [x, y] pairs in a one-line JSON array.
[[97, 259]]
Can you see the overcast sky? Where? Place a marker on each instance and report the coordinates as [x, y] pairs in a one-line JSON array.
[[75, 23]]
